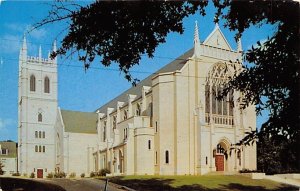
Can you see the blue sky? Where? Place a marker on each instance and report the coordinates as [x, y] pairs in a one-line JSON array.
[[77, 89]]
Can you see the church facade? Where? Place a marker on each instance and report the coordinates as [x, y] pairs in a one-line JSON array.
[[169, 124]]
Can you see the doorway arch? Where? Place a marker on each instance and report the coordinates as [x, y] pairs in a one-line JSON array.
[[221, 155]]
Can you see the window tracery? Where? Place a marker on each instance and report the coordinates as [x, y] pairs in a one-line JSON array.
[[218, 110]]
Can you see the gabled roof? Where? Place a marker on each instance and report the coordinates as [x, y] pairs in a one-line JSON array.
[[217, 39], [176, 64], [79, 122], [12, 149]]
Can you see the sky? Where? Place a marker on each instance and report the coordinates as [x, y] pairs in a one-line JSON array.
[[78, 89]]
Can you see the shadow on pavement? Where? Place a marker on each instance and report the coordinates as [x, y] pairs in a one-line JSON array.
[[20, 184]]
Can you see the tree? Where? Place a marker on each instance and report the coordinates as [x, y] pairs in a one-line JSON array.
[[119, 31], [122, 31], [274, 73]]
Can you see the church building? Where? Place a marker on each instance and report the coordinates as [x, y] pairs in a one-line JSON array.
[[168, 124]]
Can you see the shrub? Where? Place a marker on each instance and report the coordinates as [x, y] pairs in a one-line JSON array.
[[72, 175], [50, 175], [82, 175], [245, 170], [16, 174], [93, 174], [103, 172], [60, 175], [32, 175]]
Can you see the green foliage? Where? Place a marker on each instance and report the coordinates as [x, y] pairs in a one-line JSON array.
[[50, 175], [93, 174], [82, 175], [25, 174], [16, 174], [1, 168], [275, 156], [72, 175], [60, 175], [120, 32], [32, 175], [245, 170], [103, 172]]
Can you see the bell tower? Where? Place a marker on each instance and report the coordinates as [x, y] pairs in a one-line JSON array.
[[37, 112]]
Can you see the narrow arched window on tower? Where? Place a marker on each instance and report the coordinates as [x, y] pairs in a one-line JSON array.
[[46, 85], [40, 117], [149, 144], [167, 157], [32, 83]]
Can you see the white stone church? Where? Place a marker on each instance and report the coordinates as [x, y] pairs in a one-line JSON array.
[[169, 124]]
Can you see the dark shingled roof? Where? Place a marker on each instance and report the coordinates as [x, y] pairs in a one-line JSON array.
[[79, 122], [12, 149], [176, 64]]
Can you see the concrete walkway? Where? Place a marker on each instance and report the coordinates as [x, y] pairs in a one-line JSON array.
[[284, 180]]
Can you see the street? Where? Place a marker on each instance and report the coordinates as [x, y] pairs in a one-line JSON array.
[[81, 184]]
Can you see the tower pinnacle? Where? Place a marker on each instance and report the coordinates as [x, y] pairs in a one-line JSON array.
[[23, 50], [196, 41], [54, 50], [40, 52]]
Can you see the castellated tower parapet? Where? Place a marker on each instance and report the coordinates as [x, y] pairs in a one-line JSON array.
[[39, 59]]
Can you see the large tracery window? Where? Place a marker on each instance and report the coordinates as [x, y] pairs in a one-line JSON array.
[[220, 111]]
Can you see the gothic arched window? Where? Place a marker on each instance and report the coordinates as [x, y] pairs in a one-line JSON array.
[[40, 117], [219, 111], [32, 83], [46, 85]]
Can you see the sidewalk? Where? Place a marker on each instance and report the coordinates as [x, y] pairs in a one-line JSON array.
[[284, 180]]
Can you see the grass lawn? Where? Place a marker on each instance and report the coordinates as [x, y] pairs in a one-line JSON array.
[[198, 183]]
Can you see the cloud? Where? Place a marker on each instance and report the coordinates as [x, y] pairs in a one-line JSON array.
[[37, 34], [9, 44], [15, 27]]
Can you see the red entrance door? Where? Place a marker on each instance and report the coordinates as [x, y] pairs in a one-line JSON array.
[[39, 173], [220, 162]]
